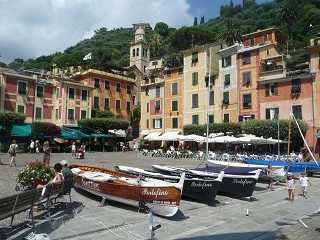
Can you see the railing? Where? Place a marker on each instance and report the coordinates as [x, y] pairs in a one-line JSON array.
[[269, 68]]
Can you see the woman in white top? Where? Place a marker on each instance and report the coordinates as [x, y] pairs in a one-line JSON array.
[[291, 187], [12, 152]]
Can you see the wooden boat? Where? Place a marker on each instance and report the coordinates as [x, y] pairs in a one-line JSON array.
[[199, 189], [160, 197], [239, 186]]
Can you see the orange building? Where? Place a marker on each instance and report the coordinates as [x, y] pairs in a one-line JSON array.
[[112, 92], [173, 98], [259, 49]]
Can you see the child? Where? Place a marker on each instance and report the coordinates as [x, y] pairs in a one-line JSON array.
[[290, 187], [304, 182]]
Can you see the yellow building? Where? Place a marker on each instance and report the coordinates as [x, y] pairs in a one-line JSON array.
[[173, 99], [227, 98], [197, 100]]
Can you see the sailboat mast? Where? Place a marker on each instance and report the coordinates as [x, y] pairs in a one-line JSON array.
[[289, 137], [207, 110]]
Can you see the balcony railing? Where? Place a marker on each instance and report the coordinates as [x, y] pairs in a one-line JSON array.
[[270, 68]]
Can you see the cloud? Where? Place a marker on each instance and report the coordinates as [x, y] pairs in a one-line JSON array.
[[31, 28]]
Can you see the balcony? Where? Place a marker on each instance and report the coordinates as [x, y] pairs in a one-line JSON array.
[[270, 70], [295, 91]]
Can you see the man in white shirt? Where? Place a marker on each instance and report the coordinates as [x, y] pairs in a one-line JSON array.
[[304, 182]]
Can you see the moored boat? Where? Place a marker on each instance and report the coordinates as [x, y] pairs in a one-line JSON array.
[[239, 186], [160, 197], [199, 189]]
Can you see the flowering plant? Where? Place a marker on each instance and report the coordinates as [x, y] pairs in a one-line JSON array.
[[35, 173]]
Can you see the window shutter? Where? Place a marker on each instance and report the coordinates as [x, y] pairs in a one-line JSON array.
[[267, 89]]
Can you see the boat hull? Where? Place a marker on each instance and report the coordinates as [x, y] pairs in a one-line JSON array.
[[160, 200], [238, 186], [200, 190]]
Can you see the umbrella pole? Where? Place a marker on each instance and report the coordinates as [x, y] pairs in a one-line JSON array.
[[289, 136]]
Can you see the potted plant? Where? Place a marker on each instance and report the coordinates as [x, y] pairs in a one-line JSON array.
[[33, 174]]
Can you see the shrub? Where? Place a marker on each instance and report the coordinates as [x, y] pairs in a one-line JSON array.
[[104, 124], [34, 173], [104, 114], [7, 119], [233, 128]]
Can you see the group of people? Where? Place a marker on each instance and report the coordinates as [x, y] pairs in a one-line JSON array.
[[291, 185], [78, 153]]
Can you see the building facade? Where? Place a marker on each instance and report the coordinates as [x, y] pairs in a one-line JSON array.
[[198, 102]]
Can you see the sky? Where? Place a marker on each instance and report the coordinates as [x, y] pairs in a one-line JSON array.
[[31, 28]]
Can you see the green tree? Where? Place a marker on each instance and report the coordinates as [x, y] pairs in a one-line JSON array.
[[202, 20], [195, 21], [289, 11], [162, 29], [2, 64], [104, 114], [16, 64], [231, 33]]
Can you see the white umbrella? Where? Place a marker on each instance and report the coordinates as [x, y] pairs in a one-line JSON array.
[[167, 136], [223, 139], [191, 138], [151, 136]]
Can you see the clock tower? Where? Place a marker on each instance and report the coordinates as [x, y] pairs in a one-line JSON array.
[[139, 48]]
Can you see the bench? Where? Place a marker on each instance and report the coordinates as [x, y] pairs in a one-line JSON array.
[[18, 203]]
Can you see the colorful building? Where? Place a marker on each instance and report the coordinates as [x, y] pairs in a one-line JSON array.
[[110, 92], [197, 101], [259, 49], [173, 99], [227, 107]]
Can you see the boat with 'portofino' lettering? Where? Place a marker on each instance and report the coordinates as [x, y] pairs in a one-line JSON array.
[[160, 197], [198, 189]]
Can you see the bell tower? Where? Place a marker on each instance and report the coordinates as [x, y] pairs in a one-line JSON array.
[[139, 48]]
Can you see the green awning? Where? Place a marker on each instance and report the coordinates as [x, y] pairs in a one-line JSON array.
[[100, 135], [21, 130], [318, 133], [72, 134]]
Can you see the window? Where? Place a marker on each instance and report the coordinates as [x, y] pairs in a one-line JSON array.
[[227, 80], [246, 101], [128, 107], [106, 104], [83, 114], [211, 118], [225, 98], [57, 114], [38, 113], [226, 61], [137, 52], [195, 119], [251, 42], [174, 123], [226, 118], [57, 92], [84, 95], [157, 106], [157, 91], [272, 113], [20, 109], [96, 82], [71, 93], [107, 85], [128, 89], [212, 80], [195, 103], [118, 105], [22, 87], [296, 87], [297, 111], [194, 57], [134, 52], [157, 123], [144, 68], [174, 106], [246, 78], [194, 79], [147, 123], [271, 89], [246, 58], [147, 107], [174, 88], [39, 91], [118, 87], [211, 98], [71, 114], [147, 91], [96, 102]]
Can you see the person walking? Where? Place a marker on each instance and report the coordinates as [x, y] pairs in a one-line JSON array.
[[46, 153], [304, 183], [291, 187], [32, 146], [12, 152], [269, 175], [37, 146], [73, 150]]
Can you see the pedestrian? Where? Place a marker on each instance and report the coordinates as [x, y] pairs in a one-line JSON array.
[[67, 175], [32, 146], [46, 153], [37, 146], [12, 152], [291, 187], [73, 149], [269, 175], [81, 151], [304, 183]]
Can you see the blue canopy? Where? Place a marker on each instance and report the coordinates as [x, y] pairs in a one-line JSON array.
[[21, 130], [72, 134]]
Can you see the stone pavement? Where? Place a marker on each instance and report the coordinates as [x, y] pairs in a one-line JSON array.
[[271, 216]]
